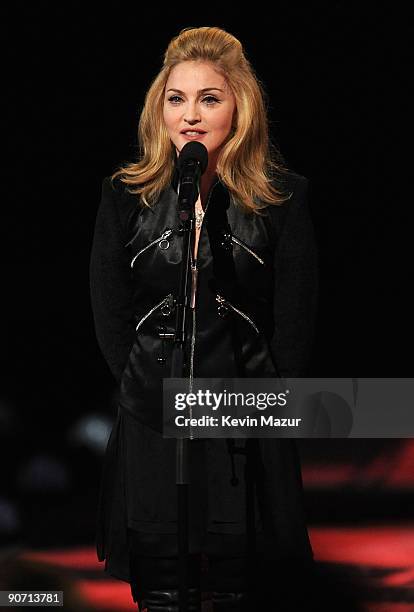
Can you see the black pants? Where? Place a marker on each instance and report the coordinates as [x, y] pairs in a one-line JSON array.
[[154, 564], [286, 583]]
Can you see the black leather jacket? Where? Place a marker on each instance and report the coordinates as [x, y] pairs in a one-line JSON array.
[[255, 284], [254, 316]]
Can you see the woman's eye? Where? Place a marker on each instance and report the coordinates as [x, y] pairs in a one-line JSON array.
[[172, 98], [208, 99]]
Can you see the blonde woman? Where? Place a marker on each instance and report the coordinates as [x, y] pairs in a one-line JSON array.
[[253, 309]]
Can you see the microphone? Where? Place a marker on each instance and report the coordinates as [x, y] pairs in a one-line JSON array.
[[192, 163]]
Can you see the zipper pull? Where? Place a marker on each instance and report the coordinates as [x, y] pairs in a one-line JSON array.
[[226, 242], [168, 305], [194, 275], [222, 308]]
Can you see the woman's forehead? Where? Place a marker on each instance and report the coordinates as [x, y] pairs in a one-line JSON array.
[[196, 74]]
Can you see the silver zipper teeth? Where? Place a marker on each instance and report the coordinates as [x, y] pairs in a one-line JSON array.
[[221, 300], [164, 235], [246, 248], [151, 311], [194, 312], [192, 367]]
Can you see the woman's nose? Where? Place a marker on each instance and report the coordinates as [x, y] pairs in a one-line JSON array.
[[192, 114]]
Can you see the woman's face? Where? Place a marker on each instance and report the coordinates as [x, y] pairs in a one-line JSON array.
[[197, 97]]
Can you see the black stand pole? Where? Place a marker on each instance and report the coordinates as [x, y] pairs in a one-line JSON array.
[[250, 469], [250, 453], [186, 216]]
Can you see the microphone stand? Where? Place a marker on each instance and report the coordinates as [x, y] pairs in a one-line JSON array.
[[186, 216]]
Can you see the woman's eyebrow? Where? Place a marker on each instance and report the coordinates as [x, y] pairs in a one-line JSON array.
[[199, 91]]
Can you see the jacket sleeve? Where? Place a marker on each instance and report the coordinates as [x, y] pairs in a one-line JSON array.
[[295, 286], [110, 284]]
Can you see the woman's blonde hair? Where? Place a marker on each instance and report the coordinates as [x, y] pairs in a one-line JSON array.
[[249, 164]]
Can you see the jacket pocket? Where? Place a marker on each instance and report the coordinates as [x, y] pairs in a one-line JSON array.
[[246, 248], [224, 306], [160, 241]]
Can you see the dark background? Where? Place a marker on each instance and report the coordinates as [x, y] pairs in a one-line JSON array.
[[75, 82]]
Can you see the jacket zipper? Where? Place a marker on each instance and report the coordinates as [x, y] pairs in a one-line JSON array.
[[194, 277], [246, 248], [153, 309], [194, 274], [163, 236], [222, 301]]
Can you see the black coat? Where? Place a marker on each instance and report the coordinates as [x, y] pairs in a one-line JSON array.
[[253, 317]]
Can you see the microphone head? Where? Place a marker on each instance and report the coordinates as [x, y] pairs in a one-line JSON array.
[[194, 151]]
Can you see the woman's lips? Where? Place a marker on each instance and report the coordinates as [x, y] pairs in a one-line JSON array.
[[193, 137]]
